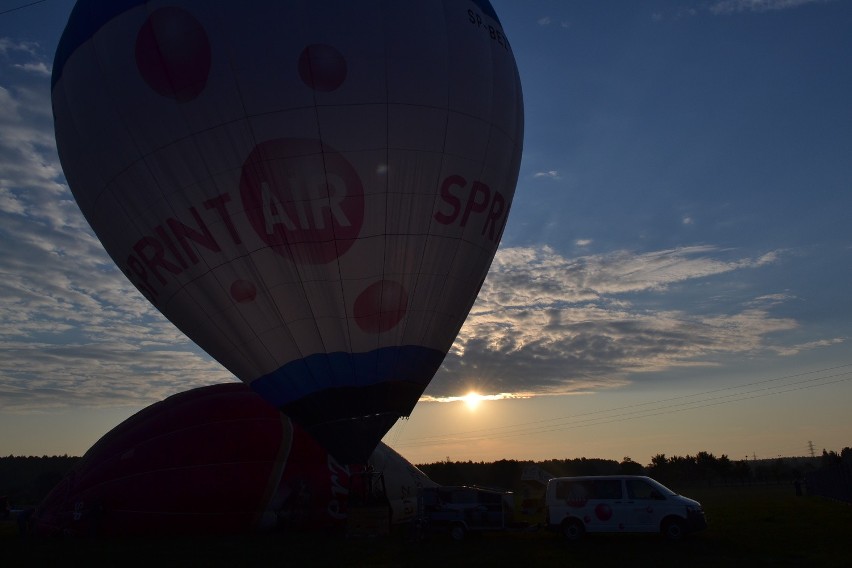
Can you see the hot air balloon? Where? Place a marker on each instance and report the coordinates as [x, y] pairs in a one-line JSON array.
[[213, 460], [312, 191]]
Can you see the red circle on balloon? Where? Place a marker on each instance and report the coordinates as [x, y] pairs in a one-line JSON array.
[[173, 54], [243, 291], [381, 306], [303, 199], [322, 67]]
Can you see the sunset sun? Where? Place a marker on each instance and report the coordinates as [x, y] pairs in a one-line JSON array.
[[472, 400]]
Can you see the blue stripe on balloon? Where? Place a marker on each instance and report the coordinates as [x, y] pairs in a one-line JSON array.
[[87, 17], [325, 371]]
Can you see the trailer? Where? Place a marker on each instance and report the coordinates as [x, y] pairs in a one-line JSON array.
[[461, 509]]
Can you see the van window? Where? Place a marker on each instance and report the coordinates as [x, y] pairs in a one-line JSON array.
[[572, 490], [583, 490], [640, 489], [607, 489]]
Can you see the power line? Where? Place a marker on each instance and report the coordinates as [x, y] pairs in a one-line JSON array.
[[621, 417], [10, 10], [564, 423], [657, 402]]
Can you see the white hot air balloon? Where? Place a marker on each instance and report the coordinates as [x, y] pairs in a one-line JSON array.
[[312, 191]]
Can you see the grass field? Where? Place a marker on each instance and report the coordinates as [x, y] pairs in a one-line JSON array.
[[749, 526]]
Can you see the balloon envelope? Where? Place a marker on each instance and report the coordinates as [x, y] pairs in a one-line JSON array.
[[215, 459], [312, 191]]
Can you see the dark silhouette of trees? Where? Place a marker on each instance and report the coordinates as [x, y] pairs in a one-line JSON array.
[[506, 474], [630, 467], [26, 480], [703, 468], [834, 478]]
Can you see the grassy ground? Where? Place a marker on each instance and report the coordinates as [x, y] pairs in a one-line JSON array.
[[749, 526]]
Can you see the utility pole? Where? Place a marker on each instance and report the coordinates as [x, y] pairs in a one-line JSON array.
[[811, 449]]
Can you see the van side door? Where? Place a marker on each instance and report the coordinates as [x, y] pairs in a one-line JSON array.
[[607, 509], [647, 505]]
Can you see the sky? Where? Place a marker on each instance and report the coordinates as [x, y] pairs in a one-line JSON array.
[[674, 276]]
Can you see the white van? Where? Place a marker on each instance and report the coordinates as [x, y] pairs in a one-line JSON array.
[[619, 503]]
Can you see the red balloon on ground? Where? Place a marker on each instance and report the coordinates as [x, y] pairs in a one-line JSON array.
[[213, 460]]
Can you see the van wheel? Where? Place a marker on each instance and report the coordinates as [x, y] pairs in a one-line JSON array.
[[674, 529], [457, 532], [573, 530]]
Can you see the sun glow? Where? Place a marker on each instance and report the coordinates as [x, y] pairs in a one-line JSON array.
[[472, 400]]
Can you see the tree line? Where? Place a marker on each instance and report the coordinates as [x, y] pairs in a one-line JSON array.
[[26, 480], [702, 468]]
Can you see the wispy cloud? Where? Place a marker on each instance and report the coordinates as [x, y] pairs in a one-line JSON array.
[[8, 46], [37, 68], [547, 20], [734, 6], [73, 330], [498, 396], [550, 174], [791, 350], [547, 324]]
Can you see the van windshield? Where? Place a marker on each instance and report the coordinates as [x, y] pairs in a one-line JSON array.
[[662, 488]]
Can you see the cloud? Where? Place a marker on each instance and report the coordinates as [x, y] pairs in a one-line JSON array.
[[39, 68], [591, 277], [498, 396], [9, 46], [13, 52], [818, 344], [546, 324], [550, 174], [544, 21], [73, 330], [736, 6], [769, 300]]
